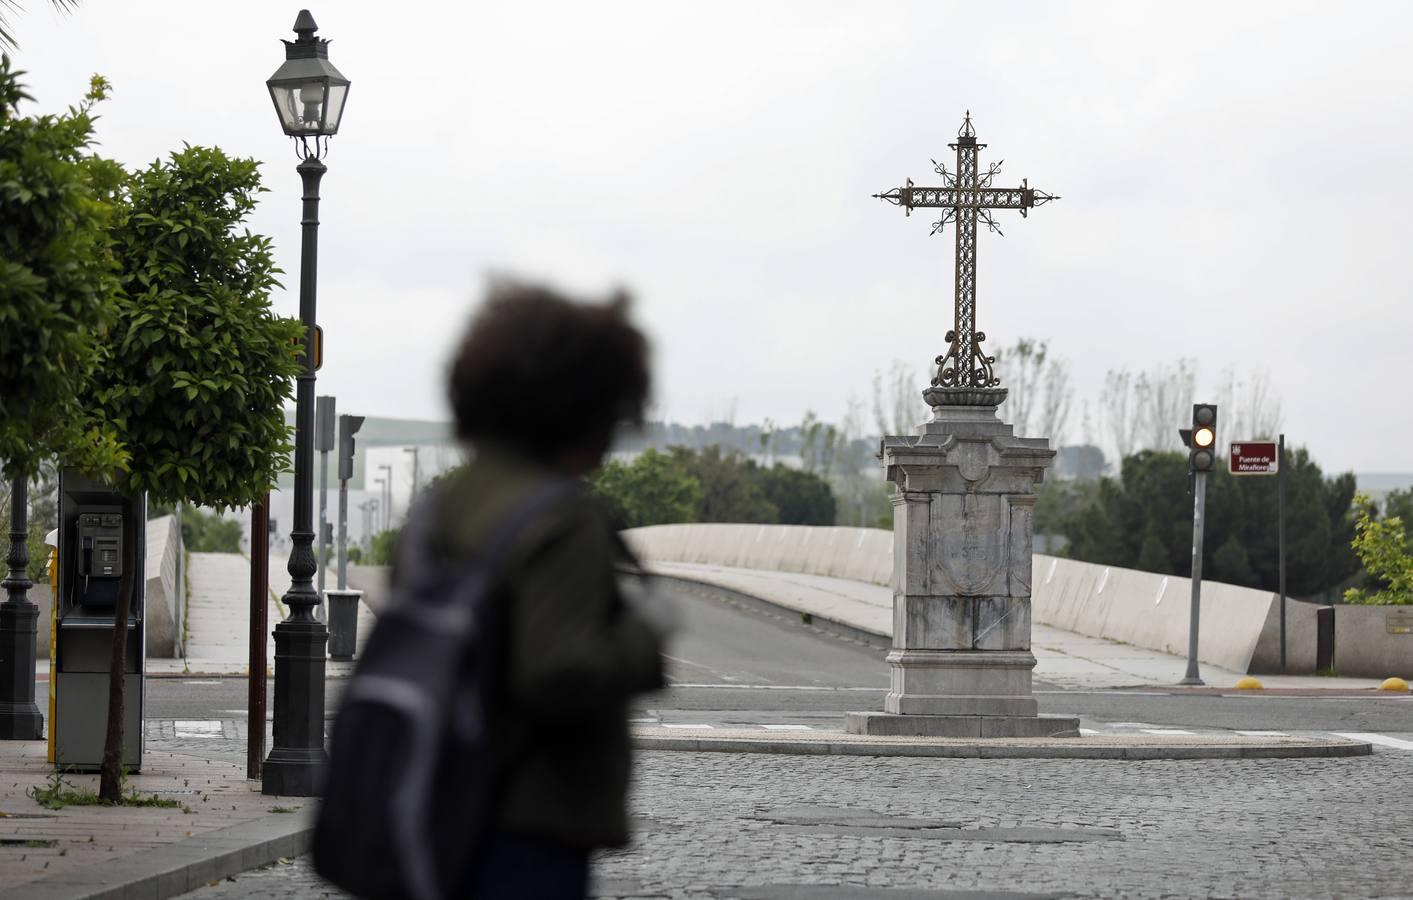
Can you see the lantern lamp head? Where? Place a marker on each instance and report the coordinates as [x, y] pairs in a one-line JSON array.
[[308, 92]]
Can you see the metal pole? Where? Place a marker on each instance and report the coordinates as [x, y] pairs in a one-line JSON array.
[[379, 508], [323, 518], [1199, 513], [259, 625], [343, 535], [415, 451], [387, 509], [20, 719], [1280, 536], [301, 641]]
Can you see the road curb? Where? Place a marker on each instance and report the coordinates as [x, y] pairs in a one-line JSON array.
[[1111, 748], [168, 871]]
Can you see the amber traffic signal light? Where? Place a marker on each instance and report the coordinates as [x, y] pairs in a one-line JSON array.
[[1202, 446]]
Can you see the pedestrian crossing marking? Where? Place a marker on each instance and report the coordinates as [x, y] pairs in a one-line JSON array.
[[1262, 733], [1087, 731], [1382, 740], [199, 728], [1165, 731], [691, 725], [787, 728]]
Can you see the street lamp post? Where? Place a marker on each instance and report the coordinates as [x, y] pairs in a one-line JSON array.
[[20, 719], [309, 95], [387, 508], [382, 492]]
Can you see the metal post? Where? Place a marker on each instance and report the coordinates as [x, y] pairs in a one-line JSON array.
[[415, 451], [1199, 513], [324, 442], [378, 508], [301, 640], [259, 624], [343, 536], [1280, 535], [20, 719], [387, 507]]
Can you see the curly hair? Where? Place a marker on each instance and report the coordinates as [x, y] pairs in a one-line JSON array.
[[544, 373]]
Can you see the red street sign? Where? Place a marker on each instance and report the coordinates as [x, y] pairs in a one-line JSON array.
[[1255, 458]]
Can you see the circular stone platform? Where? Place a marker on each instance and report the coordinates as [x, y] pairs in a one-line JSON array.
[[839, 743]]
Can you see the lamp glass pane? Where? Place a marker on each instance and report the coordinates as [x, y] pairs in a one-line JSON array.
[[283, 95], [337, 94], [301, 105]]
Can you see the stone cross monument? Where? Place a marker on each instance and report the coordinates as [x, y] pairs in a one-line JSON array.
[[965, 494]]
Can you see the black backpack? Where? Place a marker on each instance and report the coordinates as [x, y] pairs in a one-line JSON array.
[[409, 789]]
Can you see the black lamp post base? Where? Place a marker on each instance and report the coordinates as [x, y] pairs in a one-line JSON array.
[[20, 719], [294, 772], [295, 766]]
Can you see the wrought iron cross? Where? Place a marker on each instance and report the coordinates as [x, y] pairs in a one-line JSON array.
[[966, 198]]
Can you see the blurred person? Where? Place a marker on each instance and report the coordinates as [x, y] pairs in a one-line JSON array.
[[538, 388]]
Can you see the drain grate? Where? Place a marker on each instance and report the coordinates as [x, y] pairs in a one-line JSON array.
[[868, 823]]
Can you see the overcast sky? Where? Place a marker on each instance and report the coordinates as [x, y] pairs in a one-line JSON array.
[[1234, 177]]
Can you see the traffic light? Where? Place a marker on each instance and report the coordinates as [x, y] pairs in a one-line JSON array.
[[1202, 445], [348, 427]]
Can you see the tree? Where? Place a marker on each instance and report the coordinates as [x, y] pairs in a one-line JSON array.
[[197, 369], [7, 37], [897, 401], [1382, 546], [204, 532], [799, 498], [57, 282], [654, 489], [1038, 402], [1116, 410], [1143, 519], [384, 547], [730, 486], [1250, 408]]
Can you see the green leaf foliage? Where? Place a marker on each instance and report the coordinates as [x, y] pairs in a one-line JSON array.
[[654, 489], [799, 497], [197, 369], [383, 549], [1382, 546], [58, 281], [205, 532]]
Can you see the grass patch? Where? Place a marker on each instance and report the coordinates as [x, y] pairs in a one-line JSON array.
[[1327, 673], [30, 843], [283, 809], [58, 793]]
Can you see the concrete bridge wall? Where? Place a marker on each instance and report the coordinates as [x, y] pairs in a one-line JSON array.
[[1239, 626]]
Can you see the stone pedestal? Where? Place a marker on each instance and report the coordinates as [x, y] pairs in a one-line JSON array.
[[961, 660]]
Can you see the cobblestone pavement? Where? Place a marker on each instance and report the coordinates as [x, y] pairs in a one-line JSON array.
[[717, 826]]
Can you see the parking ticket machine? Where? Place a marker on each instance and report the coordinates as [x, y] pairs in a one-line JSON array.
[[102, 552]]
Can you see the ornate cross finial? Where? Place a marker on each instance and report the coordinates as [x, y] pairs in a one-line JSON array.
[[966, 130], [965, 198]]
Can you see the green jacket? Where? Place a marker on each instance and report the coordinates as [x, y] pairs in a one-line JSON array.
[[574, 654]]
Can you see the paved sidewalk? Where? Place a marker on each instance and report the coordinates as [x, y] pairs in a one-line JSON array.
[[1063, 658], [225, 825]]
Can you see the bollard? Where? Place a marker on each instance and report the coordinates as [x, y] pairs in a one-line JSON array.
[[343, 622]]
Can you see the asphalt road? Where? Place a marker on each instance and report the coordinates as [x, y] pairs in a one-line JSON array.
[[731, 663]]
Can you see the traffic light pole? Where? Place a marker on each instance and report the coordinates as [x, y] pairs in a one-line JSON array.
[[1199, 515], [1280, 535]]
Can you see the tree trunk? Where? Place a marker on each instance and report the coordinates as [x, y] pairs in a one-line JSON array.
[[110, 784]]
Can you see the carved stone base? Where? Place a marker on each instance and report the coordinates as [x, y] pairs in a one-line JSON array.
[[960, 683], [889, 725]]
